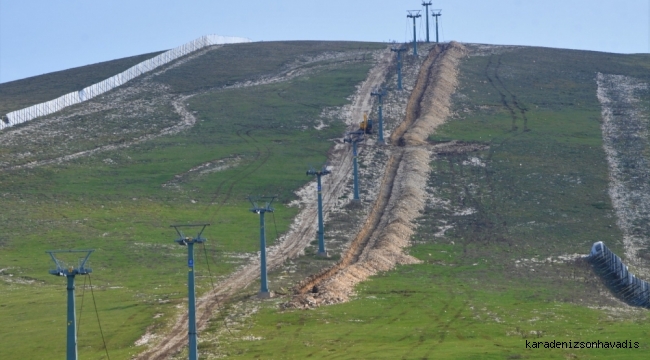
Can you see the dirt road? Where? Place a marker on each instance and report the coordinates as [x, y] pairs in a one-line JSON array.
[[302, 231], [387, 230]]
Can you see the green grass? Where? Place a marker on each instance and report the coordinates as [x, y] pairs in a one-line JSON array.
[[424, 312], [468, 299], [215, 69], [541, 193], [121, 209]]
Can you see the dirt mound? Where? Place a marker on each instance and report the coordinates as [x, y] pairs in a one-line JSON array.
[[291, 244], [378, 246], [437, 96]]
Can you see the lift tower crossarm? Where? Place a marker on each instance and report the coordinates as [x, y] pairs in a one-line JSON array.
[[63, 270], [191, 294], [414, 14], [426, 11], [182, 238]]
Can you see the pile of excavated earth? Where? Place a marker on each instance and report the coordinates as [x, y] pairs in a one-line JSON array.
[[401, 197], [400, 169], [394, 174], [302, 230]]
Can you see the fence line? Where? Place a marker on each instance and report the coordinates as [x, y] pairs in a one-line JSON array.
[[87, 93], [624, 284]]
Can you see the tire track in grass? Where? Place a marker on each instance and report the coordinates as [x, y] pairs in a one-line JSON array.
[[428, 330], [513, 97], [264, 155], [209, 304], [504, 101], [217, 192], [433, 329], [500, 142], [292, 244]]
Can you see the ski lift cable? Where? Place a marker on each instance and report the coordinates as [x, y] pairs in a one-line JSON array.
[[214, 290], [81, 308], [97, 314]]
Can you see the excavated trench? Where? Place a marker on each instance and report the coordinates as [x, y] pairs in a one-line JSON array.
[[290, 245], [378, 245]]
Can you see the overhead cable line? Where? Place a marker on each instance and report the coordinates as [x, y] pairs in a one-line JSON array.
[[97, 314]]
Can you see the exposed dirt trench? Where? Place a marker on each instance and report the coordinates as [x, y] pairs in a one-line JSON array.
[[378, 246], [291, 244], [387, 230]]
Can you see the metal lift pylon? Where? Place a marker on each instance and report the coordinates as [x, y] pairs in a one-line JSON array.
[[414, 14], [399, 51], [321, 227], [70, 272], [380, 94], [353, 138], [191, 294], [264, 286]]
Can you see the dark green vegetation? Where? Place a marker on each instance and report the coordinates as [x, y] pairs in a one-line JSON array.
[[121, 202], [19, 94], [441, 309], [503, 273], [257, 60]]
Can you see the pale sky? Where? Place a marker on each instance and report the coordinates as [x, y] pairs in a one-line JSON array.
[[41, 36]]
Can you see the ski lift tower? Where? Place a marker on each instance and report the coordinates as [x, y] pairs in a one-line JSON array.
[[414, 14], [435, 13], [426, 11], [191, 296], [264, 286], [353, 138], [69, 271], [399, 51], [380, 93], [321, 228]]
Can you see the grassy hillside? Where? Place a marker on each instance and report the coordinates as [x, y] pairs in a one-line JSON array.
[[498, 235], [497, 239], [254, 61], [246, 140], [19, 94]]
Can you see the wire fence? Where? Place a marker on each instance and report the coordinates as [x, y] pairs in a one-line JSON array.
[[616, 276], [52, 106]]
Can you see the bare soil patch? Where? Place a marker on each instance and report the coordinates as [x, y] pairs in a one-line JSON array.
[[625, 139], [302, 230], [387, 230]]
